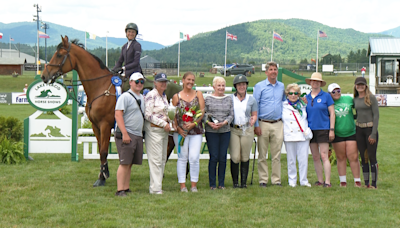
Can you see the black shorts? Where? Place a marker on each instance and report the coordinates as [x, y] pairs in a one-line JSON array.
[[131, 153], [343, 139], [320, 136]]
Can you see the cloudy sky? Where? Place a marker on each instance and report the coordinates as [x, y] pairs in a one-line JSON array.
[[161, 20]]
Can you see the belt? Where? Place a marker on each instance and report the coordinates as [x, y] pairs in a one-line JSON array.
[[364, 125], [270, 121], [237, 126], [153, 125]]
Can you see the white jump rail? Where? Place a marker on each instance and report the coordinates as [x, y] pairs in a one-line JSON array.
[[90, 150]]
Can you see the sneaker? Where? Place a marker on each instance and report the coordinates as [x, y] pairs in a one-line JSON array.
[[220, 187], [235, 185], [156, 193], [357, 184], [327, 185], [184, 189], [372, 187], [292, 185], [278, 184], [343, 184], [212, 188], [194, 189], [263, 185], [128, 191], [318, 183], [307, 185], [120, 193]]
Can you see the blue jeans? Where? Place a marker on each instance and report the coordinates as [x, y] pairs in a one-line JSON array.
[[217, 146]]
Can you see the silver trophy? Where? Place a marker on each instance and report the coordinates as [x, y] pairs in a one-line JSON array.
[[171, 114]]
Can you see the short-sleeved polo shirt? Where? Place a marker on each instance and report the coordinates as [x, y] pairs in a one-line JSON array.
[[317, 110]]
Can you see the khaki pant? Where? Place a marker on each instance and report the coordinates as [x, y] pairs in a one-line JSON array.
[[156, 141], [240, 144], [271, 134]]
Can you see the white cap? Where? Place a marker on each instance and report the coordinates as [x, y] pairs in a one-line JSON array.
[[333, 86], [135, 76]]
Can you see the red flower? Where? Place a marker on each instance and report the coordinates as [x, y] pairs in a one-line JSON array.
[[187, 118], [194, 112], [187, 109]]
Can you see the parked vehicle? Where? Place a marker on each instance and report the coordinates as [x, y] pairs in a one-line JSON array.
[[235, 69]]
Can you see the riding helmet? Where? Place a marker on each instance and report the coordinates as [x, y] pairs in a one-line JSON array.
[[240, 78], [132, 26]]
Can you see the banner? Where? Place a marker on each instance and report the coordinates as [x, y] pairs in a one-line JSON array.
[[5, 98]]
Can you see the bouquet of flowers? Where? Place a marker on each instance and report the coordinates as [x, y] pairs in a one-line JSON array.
[[189, 115]]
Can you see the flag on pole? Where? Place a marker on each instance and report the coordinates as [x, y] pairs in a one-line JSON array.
[[184, 36], [322, 34], [231, 36], [90, 36], [139, 37], [11, 39], [43, 35], [1, 35], [278, 37]]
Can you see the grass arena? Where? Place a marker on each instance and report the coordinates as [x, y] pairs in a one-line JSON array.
[[52, 191]]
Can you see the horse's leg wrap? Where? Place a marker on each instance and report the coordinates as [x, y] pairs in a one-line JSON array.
[[104, 172]]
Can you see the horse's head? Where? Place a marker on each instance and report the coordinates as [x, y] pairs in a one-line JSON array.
[[57, 67]]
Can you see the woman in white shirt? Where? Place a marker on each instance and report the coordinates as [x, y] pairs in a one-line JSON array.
[[296, 135]]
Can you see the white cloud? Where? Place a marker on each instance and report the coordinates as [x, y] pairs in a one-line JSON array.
[[160, 21]]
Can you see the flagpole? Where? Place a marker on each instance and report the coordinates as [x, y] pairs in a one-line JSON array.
[[316, 70], [226, 46], [10, 45], [85, 40], [106, 49], [179, 52], [272, 52]]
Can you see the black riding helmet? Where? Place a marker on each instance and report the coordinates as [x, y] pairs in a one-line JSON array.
[[240, 78], [132, 26]]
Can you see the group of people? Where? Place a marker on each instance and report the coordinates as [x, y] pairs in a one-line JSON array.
[[274, 113]]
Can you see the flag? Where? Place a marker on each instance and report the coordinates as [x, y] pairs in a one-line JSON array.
[[43, 35], [139, 37], [231, 36], [11, 39], [184, 36], [90, 36], [1, 35], [277, 37], [322, 34], [313, 60]]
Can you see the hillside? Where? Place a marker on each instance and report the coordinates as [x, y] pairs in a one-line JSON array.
[[254, 43], [392, 32], [25, 33]]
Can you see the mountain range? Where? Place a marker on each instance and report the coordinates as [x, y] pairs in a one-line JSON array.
[[25, 33]]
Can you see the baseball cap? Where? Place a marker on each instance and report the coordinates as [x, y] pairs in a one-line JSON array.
[[136, 76], [333, 86], [161, 77], [360, 80]]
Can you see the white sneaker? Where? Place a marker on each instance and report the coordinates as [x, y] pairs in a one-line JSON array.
[[156, 193], [307, 185], [292, 185], [184, 189], [194, 189]]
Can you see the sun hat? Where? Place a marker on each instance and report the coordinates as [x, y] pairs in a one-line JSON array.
[[161, 77], [333, 86], [360, 80], [136, 76], [316, 77]]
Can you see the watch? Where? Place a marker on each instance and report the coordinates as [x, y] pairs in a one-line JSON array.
[[332, 129]]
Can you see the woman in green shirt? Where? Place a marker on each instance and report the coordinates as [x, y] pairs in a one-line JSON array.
[[345, 144]]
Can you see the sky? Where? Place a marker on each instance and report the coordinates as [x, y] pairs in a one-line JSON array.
[[161, 21]]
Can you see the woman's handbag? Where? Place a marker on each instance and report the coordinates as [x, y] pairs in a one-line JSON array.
[[308, 133]]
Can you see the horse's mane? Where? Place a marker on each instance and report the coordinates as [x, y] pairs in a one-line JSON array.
[[76, 42]]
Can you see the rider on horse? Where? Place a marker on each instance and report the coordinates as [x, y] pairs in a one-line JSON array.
[[130, 53]]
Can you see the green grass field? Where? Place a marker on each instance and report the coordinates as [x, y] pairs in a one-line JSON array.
[[52, 191]]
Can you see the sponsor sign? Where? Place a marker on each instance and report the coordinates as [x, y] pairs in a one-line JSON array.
[[19, 98], [47, 97], [393, 100], [5, 98], [305, 89]]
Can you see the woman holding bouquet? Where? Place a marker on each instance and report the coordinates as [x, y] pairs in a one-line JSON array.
[[219, 112], [189, 135], [242, 130]]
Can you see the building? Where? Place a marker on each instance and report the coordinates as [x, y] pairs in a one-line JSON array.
[[384, 62], [10, 65]]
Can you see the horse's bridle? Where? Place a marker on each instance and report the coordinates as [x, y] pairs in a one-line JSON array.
[[59, 72]]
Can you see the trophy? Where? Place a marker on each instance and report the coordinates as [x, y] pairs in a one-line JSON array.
[[171, 114]]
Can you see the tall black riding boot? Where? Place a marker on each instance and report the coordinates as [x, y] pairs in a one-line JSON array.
[[374, 174], [235, 174], [244, 170], [365, 169]]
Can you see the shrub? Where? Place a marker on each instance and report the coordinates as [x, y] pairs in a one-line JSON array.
[[11, 128], [64, 110], [11, 152]]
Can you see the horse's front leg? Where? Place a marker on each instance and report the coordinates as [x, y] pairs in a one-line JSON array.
[[103, 140]]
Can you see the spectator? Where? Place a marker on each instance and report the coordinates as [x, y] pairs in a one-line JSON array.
[[25, 88]]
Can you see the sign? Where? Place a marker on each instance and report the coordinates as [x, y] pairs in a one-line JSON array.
[[305, 89], [47, 97], [19, 98], [5, 98]]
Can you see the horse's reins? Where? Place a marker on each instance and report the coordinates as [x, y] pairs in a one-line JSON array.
[[59, 73]]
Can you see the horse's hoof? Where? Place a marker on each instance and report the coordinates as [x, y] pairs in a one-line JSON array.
[[99, 183]]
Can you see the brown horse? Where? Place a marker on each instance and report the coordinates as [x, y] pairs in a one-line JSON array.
[[101, 100]]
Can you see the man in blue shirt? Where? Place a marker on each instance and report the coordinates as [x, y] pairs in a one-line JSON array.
[[269, 95]]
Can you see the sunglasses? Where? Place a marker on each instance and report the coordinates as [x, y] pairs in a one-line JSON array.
[[141, 81], [336, 91], [293, 93]]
